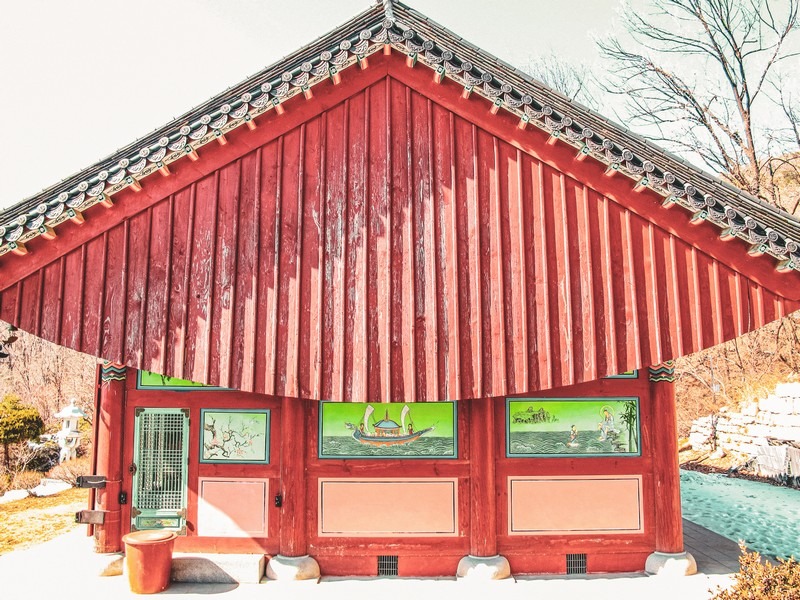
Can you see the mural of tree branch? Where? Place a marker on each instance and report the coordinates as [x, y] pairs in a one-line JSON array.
[[235, 436]]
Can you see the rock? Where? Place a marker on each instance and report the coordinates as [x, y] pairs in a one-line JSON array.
[[718, 453]]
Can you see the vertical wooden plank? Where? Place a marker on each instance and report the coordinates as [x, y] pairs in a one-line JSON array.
[[114, 306], [138, 257], [474, 265], [31, 303], [94, 285], [728, 286], [180, 268], [560, 322], [706, 301], [8, 304], [599, 280], [542, 280], [757, 300], [244, 348], [572, 214], [49, 319], [269, 256], [633, 329], [402, 273], [447, 253], [289, 264], [515, 294], [72, 310], [379, 245], [643, 260], [200, 308], [355, 376], [697, 306], [586, 370], [495, 286], [158, 297], [335, 220], [431, 232], [608, 288], [664, 295], [224, 275], [528, 196], [310, 264], [463, 193], [423, 231]]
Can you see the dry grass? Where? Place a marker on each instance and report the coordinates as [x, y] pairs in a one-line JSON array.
[[32, 520]]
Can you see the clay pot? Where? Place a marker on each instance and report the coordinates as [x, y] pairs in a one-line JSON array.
[[148, 558]]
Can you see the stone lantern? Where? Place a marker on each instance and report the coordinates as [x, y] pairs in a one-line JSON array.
[[69, 435]]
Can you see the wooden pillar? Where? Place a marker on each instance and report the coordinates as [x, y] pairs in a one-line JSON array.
[[483, 499], [108, 449], [293, 538], [669, 521]]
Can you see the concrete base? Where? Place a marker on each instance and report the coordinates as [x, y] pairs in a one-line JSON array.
[[677, 565], [483, 568], [217, 568], [292, 568]]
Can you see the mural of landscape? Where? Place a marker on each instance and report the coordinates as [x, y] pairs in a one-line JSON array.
[[395, 430], [572, 427]]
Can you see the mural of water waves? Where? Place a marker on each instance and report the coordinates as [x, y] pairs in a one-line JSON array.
[[549, 443]]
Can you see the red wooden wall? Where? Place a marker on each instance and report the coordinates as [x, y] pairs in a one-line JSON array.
[[376, 244]]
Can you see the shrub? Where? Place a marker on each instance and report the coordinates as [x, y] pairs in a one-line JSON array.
[[757, 580], [25, 480], [70, 470]]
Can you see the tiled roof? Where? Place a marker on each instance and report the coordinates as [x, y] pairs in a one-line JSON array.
[[424, 42]]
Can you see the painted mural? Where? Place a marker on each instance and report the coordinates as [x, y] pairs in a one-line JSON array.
[[572, 427], [235, 436], [396, 430]]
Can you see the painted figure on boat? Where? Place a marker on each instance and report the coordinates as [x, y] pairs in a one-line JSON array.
[[386, 432]]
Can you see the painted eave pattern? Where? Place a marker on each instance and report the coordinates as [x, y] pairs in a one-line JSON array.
[[395, 27]]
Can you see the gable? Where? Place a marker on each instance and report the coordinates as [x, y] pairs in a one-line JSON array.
[[390, 240]]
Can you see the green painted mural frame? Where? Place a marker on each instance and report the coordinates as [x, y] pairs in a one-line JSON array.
[[602, 421], [343, 435], [147, 380]]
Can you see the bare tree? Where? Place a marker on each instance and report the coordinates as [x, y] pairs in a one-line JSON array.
[[576, 82], [47, 376], [710, 79]]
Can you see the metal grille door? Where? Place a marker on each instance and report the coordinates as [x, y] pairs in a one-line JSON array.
[[160, 468]]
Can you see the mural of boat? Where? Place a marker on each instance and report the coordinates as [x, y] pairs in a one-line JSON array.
[[386, 432]]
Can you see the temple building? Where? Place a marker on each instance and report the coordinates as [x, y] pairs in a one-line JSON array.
[[391, 305]]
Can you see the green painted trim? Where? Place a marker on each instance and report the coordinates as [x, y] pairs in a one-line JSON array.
[[626, 375], [145, 381]]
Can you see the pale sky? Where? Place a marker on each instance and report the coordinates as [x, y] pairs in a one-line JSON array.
[[82, 78]]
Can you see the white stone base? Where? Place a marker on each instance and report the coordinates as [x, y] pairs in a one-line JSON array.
[[483, 568], [292, 568], [676, 565]]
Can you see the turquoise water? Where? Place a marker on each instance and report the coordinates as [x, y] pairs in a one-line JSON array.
[[766, 517]]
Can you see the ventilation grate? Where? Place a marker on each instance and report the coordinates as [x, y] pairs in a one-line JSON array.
[[576, 564], [387, 566]]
